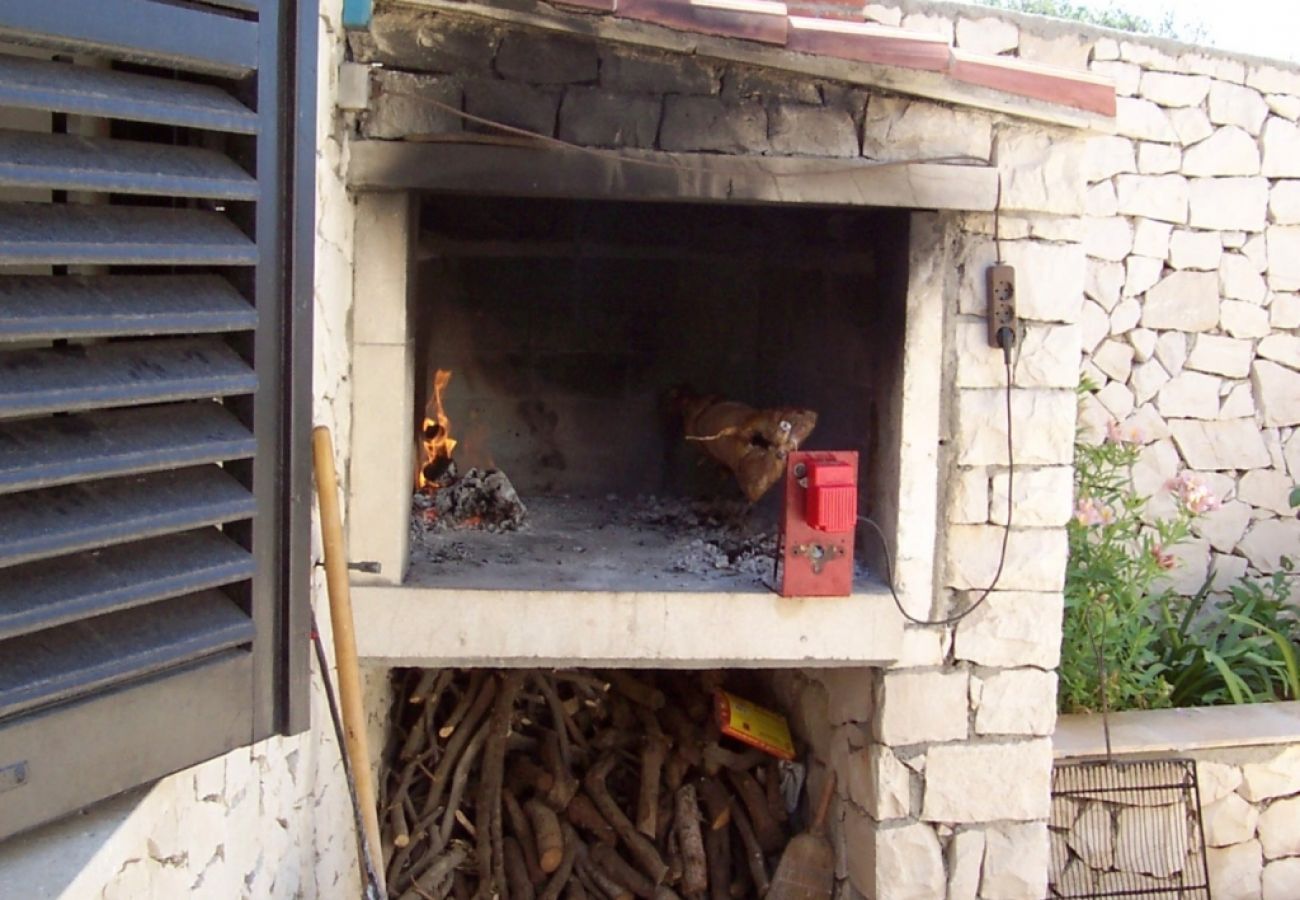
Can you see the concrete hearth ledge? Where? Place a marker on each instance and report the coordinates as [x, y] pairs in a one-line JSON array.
[[1178, 730], [404, 626]]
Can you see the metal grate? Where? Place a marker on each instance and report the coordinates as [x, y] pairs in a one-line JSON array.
[[1127, 828]]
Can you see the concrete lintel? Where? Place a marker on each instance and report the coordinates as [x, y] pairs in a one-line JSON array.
[[916, 82], [535, 171], [407, 626]]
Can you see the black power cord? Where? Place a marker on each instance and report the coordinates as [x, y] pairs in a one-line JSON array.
[[1006, 338]]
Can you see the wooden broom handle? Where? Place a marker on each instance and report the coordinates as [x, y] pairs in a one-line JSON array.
[[345, 644]]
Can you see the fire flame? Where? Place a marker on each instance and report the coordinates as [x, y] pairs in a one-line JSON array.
[[436, 441]]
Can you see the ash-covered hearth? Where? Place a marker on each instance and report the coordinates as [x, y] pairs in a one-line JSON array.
[[636, 543]]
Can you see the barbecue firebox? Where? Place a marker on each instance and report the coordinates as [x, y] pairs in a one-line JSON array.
[[634, 376]]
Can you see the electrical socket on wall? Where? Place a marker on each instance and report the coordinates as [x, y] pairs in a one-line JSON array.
[[1001, 281]]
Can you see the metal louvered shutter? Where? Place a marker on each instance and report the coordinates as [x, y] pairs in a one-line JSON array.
[[152, 389]]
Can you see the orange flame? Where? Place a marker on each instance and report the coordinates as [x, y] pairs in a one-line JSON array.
[[436, 441]]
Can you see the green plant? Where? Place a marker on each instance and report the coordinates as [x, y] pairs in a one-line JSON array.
[[1240, 650], [1117, 562]]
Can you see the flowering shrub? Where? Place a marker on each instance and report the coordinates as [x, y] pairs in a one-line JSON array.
[[1129, 641], [1112, 581]]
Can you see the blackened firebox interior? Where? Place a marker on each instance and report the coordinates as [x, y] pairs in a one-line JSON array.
[[574, 329]]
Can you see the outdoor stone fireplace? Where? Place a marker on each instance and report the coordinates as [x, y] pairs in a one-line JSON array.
[[743, 240]]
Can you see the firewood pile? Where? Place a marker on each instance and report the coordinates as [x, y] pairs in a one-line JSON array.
[[542, 785]]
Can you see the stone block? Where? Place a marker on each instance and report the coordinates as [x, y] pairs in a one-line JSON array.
[[1267, 489], [1243, 320], [1284, 252], [880, 784], [883, 14], [1151, 238], [1127, 77], [848, 693], [1276, 777], [1279, 828], [988, 782], [1159, 159], [1191, 125], [711, 125], [968, 497], [1015, 862], [1273, 80], [1277, 390], [1117, 399], [1215, 780], [915, 707], [428, 43], [982, 427], [1104, 281], [399, 108], [596, 117], [1108, 238], [1107, 156], [1284, 311], [1268, 541], [1066, 49], [1035, 558], [987, 35], [1168, 89], [518, 105], [1229, 151], [1143, 120], [1215, 446], [1281, 141], [1236, 871], [1141, 274], [668, 73], [1049, 279], [1094, 325], [1229, 820], [1151, 840], [544, 58], [1049, 356], [1105, 48], [1147, 379], [1239, 403], [1281, 880], [930, 24], [799, 130], [1200, 250], [1184, 301], [1284, 106], [899, 128], [1015, 701], [1281, 348], [1230, 204], [1224, 526], [1041, 171], [1043, 497], [1115, 358], [1284, 203], [1099, 201], [1012, 629], [1161, 197], [1234, 104], [965, 856], [908, 863], [1239, 279], [1125, 316], [1220, 355], [1144, 344]]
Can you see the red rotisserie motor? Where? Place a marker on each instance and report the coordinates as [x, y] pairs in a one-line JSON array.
[[818, 519]]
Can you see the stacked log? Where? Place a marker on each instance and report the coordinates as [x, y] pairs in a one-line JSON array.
[[549, 785]]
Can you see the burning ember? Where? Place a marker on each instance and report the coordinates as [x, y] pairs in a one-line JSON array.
[[436, 442], [444, 498]]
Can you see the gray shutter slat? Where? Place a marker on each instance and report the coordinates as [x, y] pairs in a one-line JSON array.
[[37, 84], [72, 378], [39, 453], [74, 163], [47, 307], [47, 593], [69, 234], [71, 518], [94, 654], [140, 31]]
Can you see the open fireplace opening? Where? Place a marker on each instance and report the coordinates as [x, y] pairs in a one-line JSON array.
[[566, 345]]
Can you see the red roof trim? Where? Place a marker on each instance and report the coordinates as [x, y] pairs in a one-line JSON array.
[[754, 20], [1054, 85], [861, 42]]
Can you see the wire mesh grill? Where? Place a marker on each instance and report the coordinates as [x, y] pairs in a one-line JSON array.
[[1128, 828]]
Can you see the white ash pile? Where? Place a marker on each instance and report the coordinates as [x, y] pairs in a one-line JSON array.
[[481, 498], [724, 535]]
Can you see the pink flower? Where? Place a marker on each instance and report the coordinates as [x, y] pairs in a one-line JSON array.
[[1123, 434], [1089, 513], [1164, 560], [1193, 493]]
